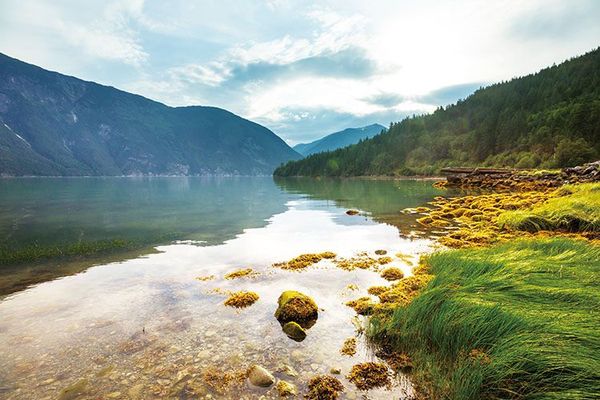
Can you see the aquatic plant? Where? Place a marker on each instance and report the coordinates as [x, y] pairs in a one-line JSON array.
[[240, 273], [241, 299], [392, 274], [324, 387], [369, 375], [517, 320], [362, 261], [13, 254], [362, 306], [349, 347], [573, 208], [304, 260], [205, 278], [384, 260]]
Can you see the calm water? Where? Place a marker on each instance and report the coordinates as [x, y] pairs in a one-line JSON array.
[[144, 326]]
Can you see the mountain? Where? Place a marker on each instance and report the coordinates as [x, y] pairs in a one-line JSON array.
[[548, 119], [52, 124], [339, 139]]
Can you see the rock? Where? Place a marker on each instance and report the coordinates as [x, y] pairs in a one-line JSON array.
[[289, 371], [335, 371], [73, 391], [352, 212], [294, 331], [114, 395], [286, 389], [259, 376], [135, 392], [297, 307]]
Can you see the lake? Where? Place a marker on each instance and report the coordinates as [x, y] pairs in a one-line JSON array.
[[135, 322]]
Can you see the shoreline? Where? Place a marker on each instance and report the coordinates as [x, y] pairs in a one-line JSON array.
[[529, 219]]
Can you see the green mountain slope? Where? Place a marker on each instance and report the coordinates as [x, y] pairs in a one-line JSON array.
[[52, 124], [339, 139], [548, 119]]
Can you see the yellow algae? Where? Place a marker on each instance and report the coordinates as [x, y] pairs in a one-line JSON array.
[[349, 347], [241, 273], [361, 261], [392, 274], [324, 387], [377, 290], [205, 278], [384, 260], [362, 306], [304, 260], [241, 299], [369, 375]]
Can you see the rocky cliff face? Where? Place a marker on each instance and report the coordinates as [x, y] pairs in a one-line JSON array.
[[52, 124]]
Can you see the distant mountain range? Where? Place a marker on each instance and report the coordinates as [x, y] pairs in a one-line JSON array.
[[549, 119], [52, 124], [339, 139]]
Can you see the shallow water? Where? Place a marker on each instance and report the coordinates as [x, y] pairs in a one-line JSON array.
[[147, 328]]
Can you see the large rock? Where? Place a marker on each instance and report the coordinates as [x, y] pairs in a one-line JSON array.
[[259, 376], [297, 307], [294, 331]]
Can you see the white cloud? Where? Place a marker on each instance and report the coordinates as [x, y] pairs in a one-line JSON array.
[[251, 57]]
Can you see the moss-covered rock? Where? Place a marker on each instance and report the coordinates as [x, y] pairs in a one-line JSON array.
[[297, 307], [294, 331]]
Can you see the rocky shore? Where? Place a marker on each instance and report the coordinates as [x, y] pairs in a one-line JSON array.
[[509, 179]]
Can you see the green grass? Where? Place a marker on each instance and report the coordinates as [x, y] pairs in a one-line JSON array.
[[577, 211], [32, 252], [531, 309]]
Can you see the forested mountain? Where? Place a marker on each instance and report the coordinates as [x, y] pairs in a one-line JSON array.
[[52, 124], [547, 119], [339, 139]]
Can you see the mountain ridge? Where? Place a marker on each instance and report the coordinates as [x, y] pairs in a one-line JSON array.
[[339, 139], [547, 119], [73, 127]]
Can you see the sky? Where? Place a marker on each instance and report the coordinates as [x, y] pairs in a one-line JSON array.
[[303, 69]]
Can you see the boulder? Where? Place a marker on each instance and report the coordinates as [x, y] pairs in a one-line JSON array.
[[297, 307], [260, 376]]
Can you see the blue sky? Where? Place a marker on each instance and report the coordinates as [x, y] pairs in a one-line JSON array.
[[302, 69]]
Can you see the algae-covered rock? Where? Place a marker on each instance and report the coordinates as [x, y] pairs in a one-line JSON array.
[[73, 391], [297, 307], [260, 376], [294, 331], [286, 389]]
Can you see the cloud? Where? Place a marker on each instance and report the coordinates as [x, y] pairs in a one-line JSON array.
[[555, 20], [450, 94]]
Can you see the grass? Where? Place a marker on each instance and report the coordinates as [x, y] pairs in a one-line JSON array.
[[576, 210], [518, 320], [33, 252]]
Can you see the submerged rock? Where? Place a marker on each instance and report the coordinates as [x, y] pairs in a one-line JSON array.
[[260, 376], [73, 391], [294, 331], [297, 307], [286, 389], [352, 212]]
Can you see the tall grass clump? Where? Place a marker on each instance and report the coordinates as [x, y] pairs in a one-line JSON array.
[[576, 209], [519, 320]]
